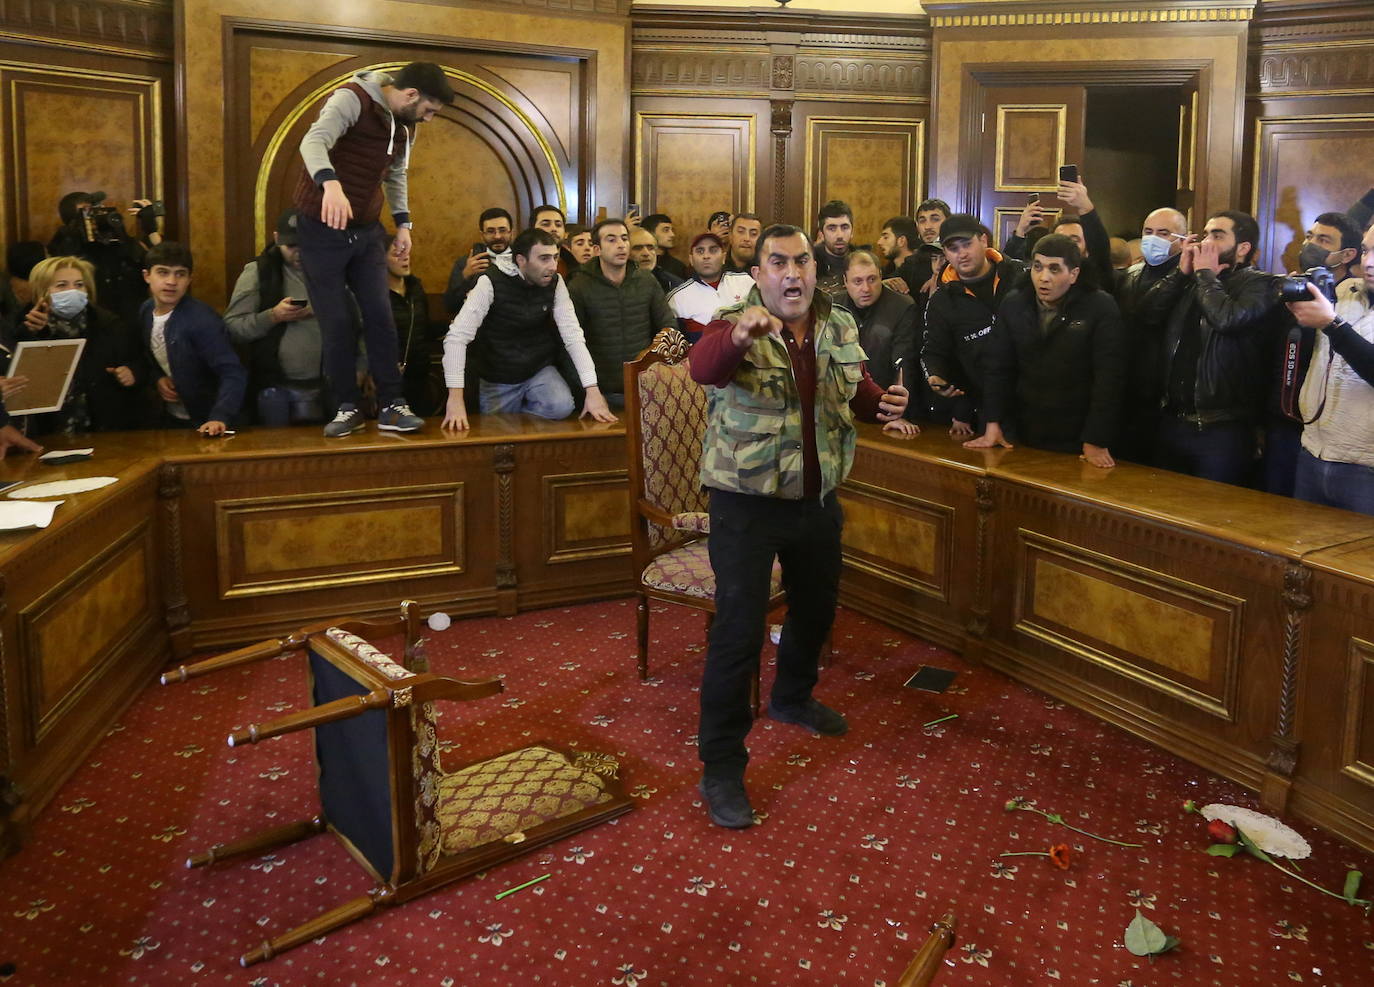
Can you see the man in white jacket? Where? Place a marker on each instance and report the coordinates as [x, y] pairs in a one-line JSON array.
[[1336, 464], [711, 288], [515, 319]]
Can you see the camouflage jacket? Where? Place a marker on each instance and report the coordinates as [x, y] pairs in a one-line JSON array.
[[753, 441]]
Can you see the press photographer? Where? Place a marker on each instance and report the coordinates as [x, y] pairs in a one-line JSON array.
[[95, 230], [1336, 463]]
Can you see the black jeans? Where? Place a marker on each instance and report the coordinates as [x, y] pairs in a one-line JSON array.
[[746, 533], [333, 262]]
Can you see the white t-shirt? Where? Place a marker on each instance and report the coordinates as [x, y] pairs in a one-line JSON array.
[[158, 341]]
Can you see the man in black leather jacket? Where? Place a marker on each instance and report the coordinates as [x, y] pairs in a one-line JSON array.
[[1216, 313]]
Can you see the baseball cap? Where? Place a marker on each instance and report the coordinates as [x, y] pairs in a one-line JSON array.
[[287, 233], [961, 225], [702, 237]]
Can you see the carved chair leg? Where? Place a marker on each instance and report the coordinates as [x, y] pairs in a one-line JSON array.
[[642, 621], [349, 911], [268, 839]]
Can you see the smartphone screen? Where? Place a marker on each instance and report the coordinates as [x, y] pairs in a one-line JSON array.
[[1068, 173], [479, 247]]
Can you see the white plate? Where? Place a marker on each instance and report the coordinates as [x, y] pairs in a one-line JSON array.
[[21, 515], [61, 488]]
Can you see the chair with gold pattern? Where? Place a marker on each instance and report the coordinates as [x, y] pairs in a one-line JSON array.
[[412, 825], [665, 422]]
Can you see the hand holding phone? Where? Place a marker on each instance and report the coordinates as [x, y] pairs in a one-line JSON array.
[[1068, 173]]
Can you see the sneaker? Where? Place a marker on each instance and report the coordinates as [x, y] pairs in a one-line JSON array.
[[812, 715], [346, 422], [397, 417], [727, 802]]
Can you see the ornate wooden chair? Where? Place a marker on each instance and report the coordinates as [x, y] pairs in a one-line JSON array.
[[665, 421], [412, 825]]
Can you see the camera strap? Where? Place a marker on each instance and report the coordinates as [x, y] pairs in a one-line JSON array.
[[1292, 378]]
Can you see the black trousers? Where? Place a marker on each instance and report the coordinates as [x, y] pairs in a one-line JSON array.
[[333, 262], [1224, 451], [746, 533]]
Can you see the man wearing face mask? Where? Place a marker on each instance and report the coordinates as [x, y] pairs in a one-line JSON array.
[[1333, 242], [1161, 238], [1215, 314], [102, 396]]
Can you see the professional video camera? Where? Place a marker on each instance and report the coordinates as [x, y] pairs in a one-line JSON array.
[[104, 224], [1294, 289]]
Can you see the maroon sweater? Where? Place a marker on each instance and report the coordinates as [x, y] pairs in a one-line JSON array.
[[361, 159], [715, 357]]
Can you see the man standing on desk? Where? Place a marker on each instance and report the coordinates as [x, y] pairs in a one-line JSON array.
[[786, 378]]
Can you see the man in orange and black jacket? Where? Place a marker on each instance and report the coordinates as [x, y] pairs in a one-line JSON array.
[[959, 318]]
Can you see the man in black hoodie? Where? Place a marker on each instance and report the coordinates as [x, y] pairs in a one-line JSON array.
[[1057, 361], [959, 317]]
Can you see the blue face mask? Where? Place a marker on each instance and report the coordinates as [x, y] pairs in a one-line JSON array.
[[1155, 249], [68, 303]]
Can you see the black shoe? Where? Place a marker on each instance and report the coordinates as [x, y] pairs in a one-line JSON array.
[[813, 716], [727, 802]]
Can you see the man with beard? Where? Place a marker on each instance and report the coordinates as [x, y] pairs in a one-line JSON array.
[[366, 129], [516, 318], [1057, 361], [774, 365], [1215, 313], [496, 227], [835, 230]]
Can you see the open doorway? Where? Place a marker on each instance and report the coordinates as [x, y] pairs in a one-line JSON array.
[[1130, 155]]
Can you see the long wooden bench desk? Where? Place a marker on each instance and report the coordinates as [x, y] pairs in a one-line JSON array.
[[1233, 628]]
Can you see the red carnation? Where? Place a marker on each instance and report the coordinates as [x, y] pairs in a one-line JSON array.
[[1220, 831]]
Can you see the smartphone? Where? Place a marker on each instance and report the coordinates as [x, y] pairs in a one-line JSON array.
[[479, 247], [1068, 173], [300, 302], [928, 678], [633, 210], [1033, 199]]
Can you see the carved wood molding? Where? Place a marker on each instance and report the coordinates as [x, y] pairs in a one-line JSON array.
[[503, 463], [175, 603], [1331, 70], [130, 27], [758, 25], [1009, 13]]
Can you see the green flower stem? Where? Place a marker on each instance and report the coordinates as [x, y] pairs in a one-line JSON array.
[[1058, 820], [1025, 853], [1358, 901]]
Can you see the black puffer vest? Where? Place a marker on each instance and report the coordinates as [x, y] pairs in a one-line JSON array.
[[518, 338]]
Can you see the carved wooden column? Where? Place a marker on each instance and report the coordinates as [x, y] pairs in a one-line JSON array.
[[977, 625], [503, 462], [782, 81], [10, 795], [1283, 750], [178, 610]]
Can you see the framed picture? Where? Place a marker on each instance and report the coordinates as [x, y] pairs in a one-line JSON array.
[[50, 366]]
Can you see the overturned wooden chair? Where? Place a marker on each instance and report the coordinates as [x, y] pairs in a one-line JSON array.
[[665, 422], [411, 825]]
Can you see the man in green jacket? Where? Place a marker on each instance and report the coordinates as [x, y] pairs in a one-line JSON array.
[[786, 377], [620, 307]]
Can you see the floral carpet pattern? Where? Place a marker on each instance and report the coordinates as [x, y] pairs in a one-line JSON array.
[[864, 840]]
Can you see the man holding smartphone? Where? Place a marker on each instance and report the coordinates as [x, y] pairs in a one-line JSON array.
[[269, 313], [1079, 221], [497, 229]]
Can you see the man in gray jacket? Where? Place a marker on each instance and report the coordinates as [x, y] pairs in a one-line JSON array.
[[619, 305], [269, 312], [365, 131]]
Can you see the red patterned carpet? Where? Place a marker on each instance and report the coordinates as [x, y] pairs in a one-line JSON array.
[[866, 840]]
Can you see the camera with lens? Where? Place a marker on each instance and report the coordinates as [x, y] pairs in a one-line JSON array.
[[101, 224], [1294, 289]]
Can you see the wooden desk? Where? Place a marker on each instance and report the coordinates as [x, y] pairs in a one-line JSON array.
[[206, 543], [1231, 627]]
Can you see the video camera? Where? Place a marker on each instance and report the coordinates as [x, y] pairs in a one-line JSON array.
[[1294, 289], [104, 225]]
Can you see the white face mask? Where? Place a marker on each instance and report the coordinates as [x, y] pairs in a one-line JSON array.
[[68, 303], [1155, 249]]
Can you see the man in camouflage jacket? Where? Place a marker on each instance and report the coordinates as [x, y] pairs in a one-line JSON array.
[[787, 378]]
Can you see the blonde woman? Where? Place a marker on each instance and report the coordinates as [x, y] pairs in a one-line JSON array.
[[103, 394]]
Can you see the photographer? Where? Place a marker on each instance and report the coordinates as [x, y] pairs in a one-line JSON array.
[[96, 232], [1336, 463]]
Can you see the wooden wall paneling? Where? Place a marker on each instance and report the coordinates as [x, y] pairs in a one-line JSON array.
[[509, 152], [873, 161], [77, 129], [1302, 169], [690, 163]]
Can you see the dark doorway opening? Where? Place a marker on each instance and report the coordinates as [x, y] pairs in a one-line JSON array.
[[1130, 161]]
